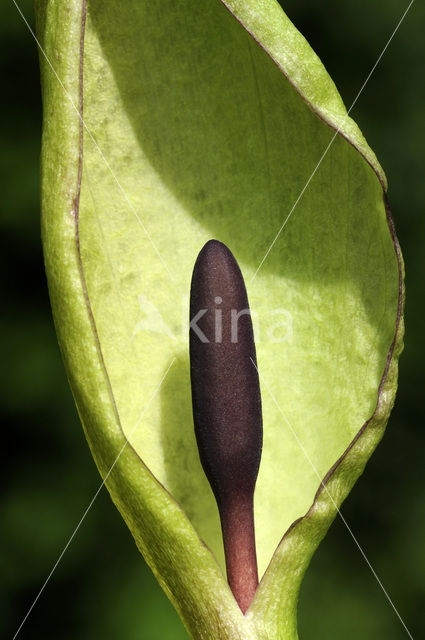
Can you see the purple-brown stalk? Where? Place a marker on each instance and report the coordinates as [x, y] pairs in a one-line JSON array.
[[227, 406]]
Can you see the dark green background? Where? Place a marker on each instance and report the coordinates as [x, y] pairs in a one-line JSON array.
[[102, 588]]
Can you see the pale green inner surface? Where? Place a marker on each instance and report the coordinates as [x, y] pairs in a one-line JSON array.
[[208, 139]]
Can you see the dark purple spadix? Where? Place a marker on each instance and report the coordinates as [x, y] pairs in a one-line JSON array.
[[227, 406]]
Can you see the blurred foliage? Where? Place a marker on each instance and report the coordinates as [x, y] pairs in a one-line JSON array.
[[101, 587]]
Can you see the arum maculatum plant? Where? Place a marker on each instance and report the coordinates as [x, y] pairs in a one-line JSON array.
[[169, 124]]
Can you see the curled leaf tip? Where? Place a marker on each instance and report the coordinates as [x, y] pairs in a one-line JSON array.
[[227, 405]]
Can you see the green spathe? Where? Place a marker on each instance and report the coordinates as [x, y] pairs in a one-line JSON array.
[[195, 131]]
